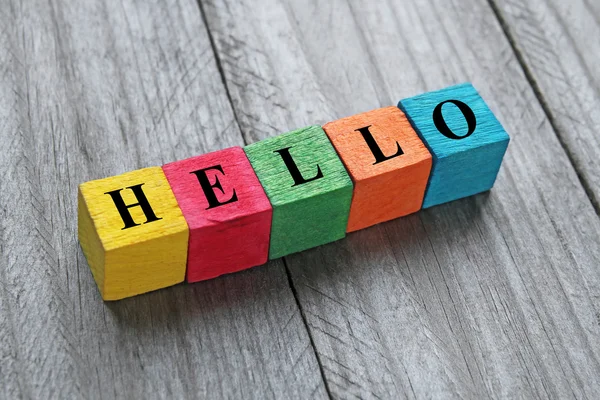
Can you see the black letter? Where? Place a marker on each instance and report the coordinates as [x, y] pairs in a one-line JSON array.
[[207, 187], [124, 209], [440, 124], [379, 156], [293, 168]]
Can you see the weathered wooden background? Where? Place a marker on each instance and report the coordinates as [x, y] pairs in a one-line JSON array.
[[494, 296]]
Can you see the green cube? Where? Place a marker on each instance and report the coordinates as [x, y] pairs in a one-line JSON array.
[[308, 187]]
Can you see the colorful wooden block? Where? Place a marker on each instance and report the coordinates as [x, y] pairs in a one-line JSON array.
[[464, 137], [387, 162], [227, 211], [308, 187], [132, 232]]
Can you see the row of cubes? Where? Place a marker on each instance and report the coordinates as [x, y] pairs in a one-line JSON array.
[[236, 208]]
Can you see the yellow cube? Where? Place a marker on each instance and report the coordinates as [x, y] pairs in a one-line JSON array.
[[132, 233]]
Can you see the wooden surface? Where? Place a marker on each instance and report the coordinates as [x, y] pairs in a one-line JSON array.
[[495, 296], [557, 41]]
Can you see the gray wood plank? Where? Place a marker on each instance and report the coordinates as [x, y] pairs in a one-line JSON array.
[[495, 296], [91, 89], [559, 44]]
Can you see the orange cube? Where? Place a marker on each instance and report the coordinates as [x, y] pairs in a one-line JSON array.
[[387, 161]]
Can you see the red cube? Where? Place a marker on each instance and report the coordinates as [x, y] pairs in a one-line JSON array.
[[227, 211]]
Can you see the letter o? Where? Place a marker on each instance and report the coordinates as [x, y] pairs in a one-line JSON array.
[[440, 123]]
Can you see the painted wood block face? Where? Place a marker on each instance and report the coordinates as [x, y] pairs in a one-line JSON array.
[[227, 211], [132, 233], [464, 137], [308, 187], [387, 162]]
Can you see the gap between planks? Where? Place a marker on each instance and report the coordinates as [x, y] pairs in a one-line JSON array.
[[285, 264]]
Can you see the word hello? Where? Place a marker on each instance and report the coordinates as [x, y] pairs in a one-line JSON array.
[[236, 208]]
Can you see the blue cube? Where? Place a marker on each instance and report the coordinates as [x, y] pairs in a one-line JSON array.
[[465, 139]]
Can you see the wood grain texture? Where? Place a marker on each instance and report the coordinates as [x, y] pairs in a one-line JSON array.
[[226, 209], [151, 252], [308, 187], [467, 144], [494, 296], [93, 89], [389, 166], [558, 42]]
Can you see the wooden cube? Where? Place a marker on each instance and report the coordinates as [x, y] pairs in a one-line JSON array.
[[132, 232], [308, 187], [465, 139], [227, 211], [387, 162]]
